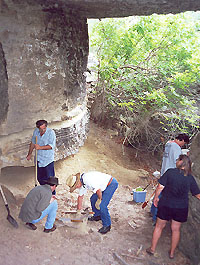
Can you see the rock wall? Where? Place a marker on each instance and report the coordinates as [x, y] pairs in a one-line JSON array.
[[117, 8], [43, 57], [190, 233]]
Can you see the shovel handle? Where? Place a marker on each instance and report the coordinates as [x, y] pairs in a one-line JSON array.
[[147, 186], [35, 163], [4, 198], [73, 212]]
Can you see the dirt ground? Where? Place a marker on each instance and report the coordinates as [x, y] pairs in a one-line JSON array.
[[80, 243]]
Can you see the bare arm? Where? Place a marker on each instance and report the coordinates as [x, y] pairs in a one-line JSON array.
[[198, 196], [99, 194], [158, 191], [44, 147], [31, 147], [79, 202]]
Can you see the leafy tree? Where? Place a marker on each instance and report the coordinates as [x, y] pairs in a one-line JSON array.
[[147, 72]]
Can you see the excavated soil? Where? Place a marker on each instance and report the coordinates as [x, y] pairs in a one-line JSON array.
[[80, 243]]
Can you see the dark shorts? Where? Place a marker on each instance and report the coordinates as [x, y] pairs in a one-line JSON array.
[[176, 214], [44, 173]]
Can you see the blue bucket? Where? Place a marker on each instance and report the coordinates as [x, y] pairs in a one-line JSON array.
[[139, 196]]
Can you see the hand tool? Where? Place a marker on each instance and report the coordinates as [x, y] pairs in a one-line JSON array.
[[67, 220], [9, 217], [147, 186], [75, 212], [145, 203]]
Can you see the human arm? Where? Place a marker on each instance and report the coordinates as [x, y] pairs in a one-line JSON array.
[[98, 202], [198, 196], [44, 147], [157, 193], [80, 202], [31, 147], [99, 194]]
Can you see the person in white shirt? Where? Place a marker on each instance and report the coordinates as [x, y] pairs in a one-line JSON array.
[[103, 187]]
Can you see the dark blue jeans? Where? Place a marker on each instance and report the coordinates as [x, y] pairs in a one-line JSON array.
[[44, 173], [106, 197]]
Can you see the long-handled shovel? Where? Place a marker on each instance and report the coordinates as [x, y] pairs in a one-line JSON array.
[[35, 163], [9, 217]]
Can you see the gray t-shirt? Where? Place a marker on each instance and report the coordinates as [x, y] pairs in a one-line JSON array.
[[171, 154]]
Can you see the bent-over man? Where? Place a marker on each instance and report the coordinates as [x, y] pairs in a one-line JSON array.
[[103, 187]]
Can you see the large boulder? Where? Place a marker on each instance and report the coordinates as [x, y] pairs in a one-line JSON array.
[[43, 58], [190, 233]]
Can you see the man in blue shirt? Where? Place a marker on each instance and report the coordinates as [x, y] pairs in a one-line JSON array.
[[44, 141]]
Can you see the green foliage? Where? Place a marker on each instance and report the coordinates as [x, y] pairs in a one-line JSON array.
[[146, 67]]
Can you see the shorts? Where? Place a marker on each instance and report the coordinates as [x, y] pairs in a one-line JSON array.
[[176, 214]]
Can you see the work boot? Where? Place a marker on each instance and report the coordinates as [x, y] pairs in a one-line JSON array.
[[94, 218], [31, 226], [50, 230], [104, 229]]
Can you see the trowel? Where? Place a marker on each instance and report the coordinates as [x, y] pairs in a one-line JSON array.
[[66, 221]]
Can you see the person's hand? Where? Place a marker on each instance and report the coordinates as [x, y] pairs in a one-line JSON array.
[[78, 213], [97, 204], [155, 201], [28, 157], [37, 147]]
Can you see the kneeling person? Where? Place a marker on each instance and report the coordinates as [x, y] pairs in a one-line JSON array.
[[39, 203], [103, 187]]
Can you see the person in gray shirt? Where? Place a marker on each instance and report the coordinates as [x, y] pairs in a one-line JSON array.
[[40, 203]]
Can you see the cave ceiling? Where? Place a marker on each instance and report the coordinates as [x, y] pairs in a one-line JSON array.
[[117, 8]]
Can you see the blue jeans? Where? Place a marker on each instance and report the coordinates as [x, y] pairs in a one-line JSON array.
[[50, 211], [106, 197], [154, 210]]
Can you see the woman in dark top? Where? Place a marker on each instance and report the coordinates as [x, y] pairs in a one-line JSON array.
[[175, 185]]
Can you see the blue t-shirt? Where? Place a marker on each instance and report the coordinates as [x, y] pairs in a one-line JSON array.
[[45, 157], [177, 187]]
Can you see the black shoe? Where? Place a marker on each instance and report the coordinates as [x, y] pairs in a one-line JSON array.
[[50, 230], [94, 218], [104, 229], [31, 226]]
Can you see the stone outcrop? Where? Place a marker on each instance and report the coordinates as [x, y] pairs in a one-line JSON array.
[[190, 233], [116, 8], [43, 58]]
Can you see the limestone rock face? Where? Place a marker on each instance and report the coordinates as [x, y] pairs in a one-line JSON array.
[[43, 57], [117, 8], [190, 233]]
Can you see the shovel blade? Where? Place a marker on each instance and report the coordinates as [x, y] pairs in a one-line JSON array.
[[12, 221], [144, 204]]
